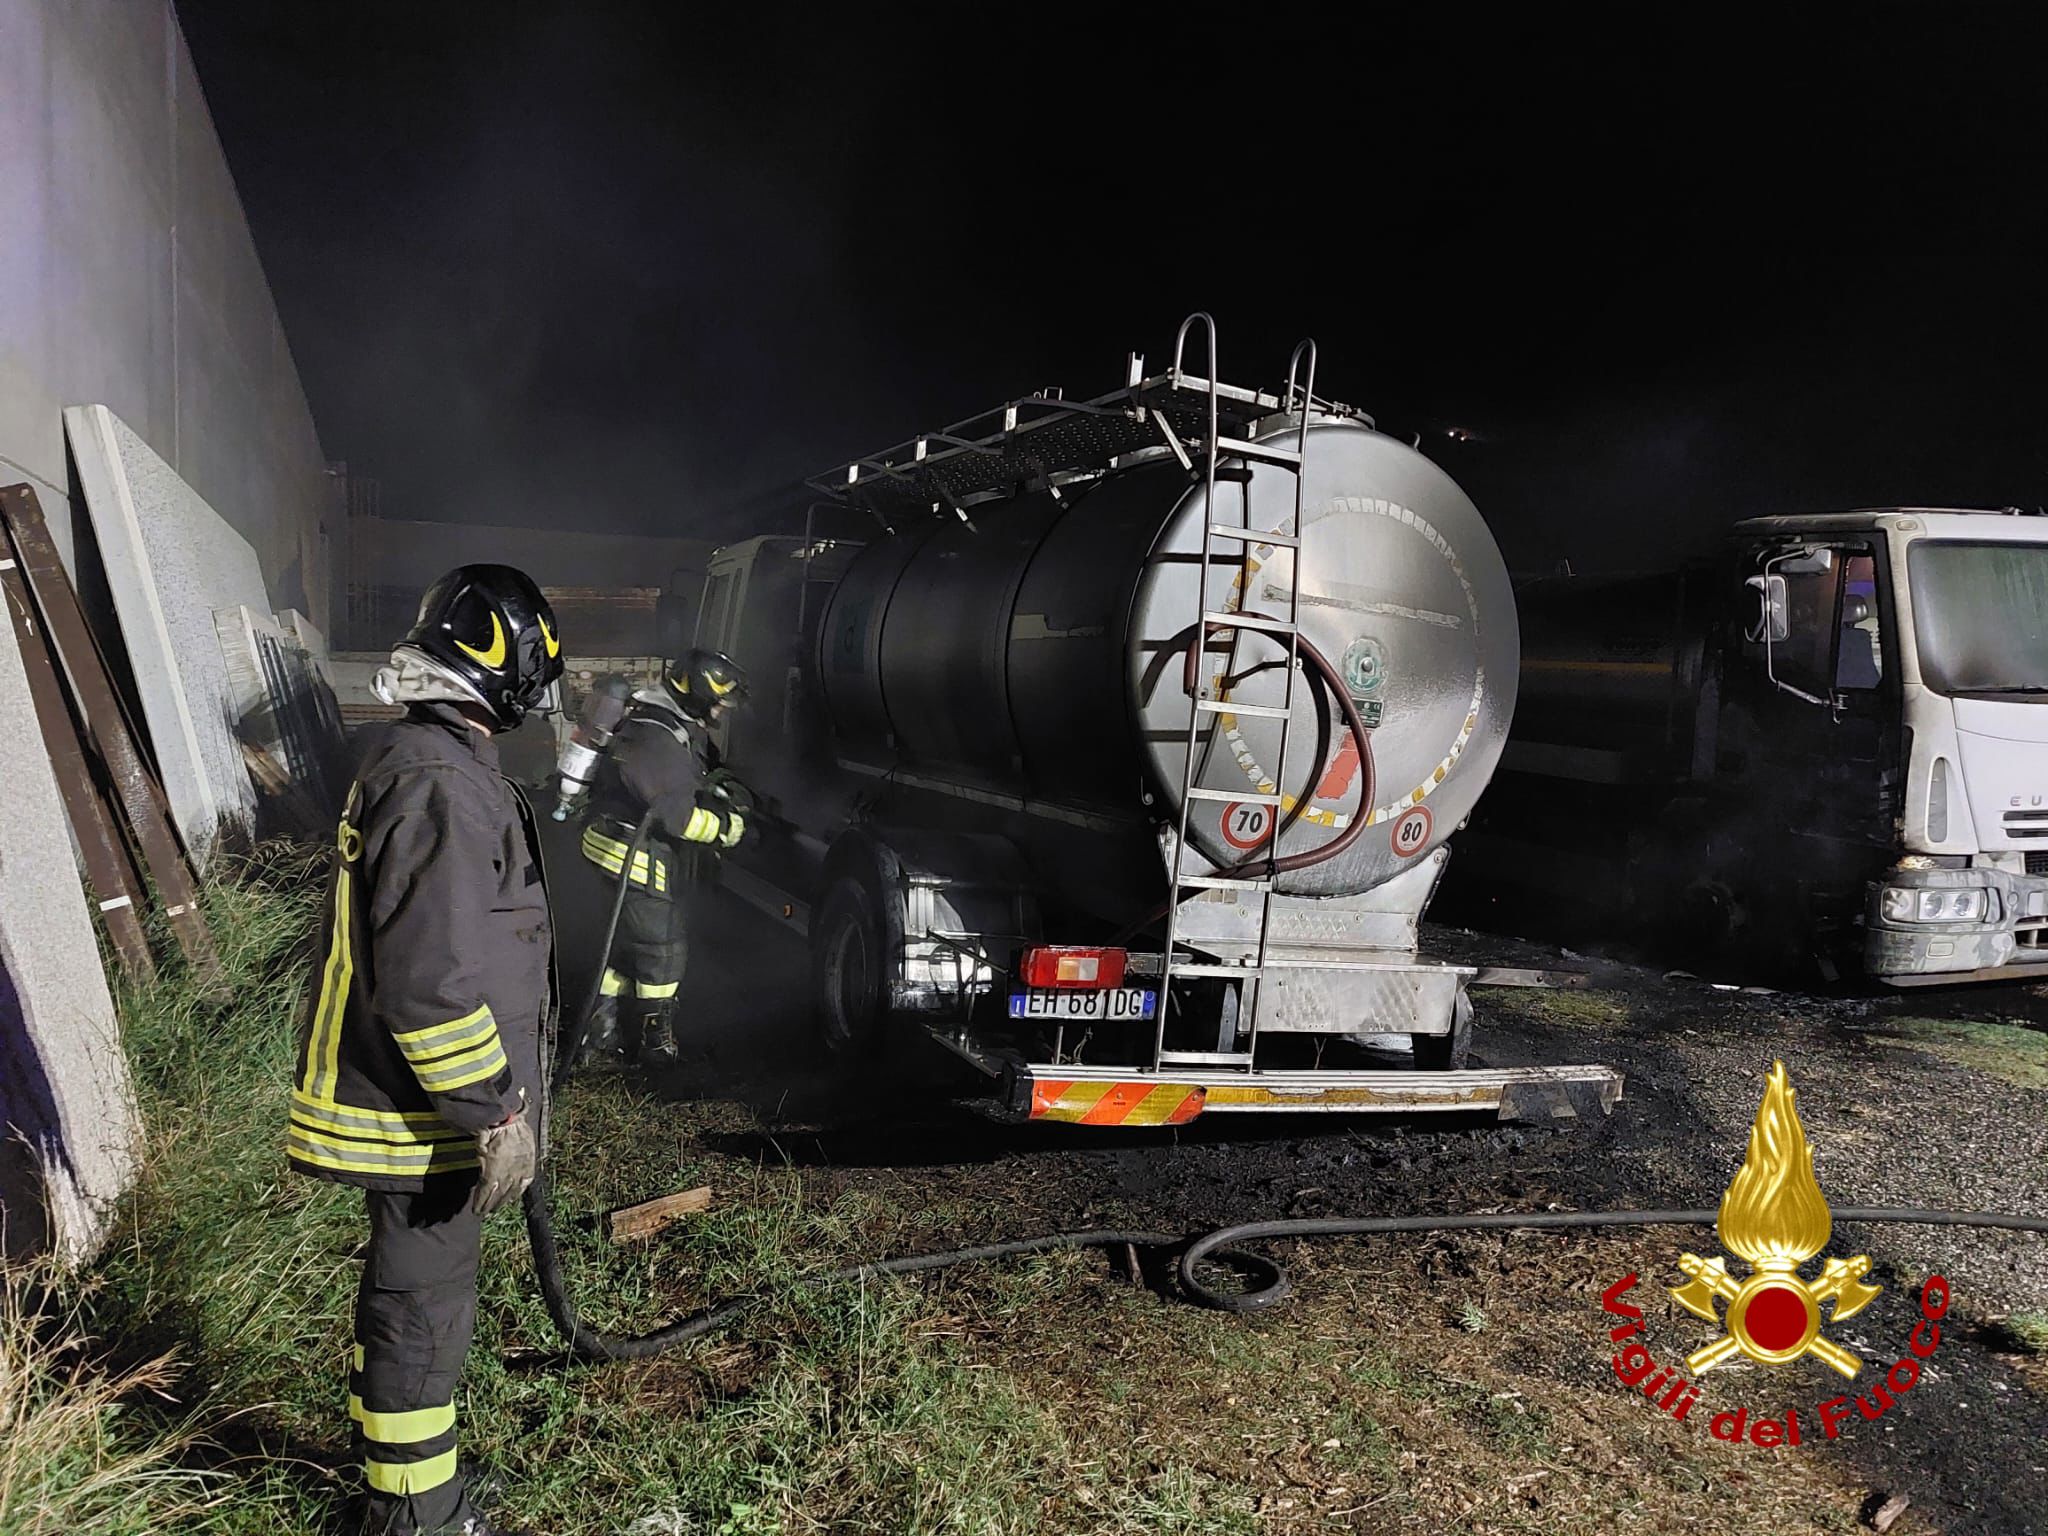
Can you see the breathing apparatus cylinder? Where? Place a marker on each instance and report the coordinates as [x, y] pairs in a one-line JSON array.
[[576, 768]]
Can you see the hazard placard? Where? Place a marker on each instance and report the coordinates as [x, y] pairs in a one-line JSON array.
[[1247, 826], [1411, 831]]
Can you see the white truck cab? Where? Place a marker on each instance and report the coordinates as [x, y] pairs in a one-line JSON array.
[[1827, 745], [1968, 600]]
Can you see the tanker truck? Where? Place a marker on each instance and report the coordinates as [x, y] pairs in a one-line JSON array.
[[1118, 748], [1826, 747]]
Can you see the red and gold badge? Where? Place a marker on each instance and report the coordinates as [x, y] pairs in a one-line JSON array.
[[1774, 1216]]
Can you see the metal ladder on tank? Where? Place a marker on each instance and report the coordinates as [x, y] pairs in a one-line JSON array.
[[1205, 709]]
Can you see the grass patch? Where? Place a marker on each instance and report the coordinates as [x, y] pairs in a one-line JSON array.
[[69, 1459], [1565, 1007], [842, 1408], [2009, 1052], [2024, 1333]]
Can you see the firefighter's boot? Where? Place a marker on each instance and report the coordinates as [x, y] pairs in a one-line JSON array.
[[657, 1034]]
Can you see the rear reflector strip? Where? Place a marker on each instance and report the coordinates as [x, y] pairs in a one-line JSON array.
[[1082, 1103]]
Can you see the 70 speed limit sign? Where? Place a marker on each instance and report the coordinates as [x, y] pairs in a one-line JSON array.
[[1411, 831], [1246, 827]]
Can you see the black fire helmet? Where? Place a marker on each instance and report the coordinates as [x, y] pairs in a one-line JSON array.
[[490, 626], [702, 680]]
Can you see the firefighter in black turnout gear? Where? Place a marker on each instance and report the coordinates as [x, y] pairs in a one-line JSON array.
[[420, 1069], [660, 760]]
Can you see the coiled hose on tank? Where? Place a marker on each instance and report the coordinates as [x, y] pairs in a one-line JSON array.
[[1266, 1280], [1329, 684]]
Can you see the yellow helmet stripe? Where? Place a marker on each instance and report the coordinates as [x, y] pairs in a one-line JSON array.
[[492, 655], [548, 635]]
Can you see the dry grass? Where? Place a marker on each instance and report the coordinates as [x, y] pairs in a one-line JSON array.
[[1566, 1007], [68, 1462]]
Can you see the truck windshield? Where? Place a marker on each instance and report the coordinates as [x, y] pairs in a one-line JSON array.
[[1980, 613]]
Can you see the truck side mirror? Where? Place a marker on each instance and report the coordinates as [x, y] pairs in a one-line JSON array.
[[1771, 623], [1809, 561]]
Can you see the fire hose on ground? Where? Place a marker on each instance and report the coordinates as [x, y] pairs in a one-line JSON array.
[[1266, 1281]]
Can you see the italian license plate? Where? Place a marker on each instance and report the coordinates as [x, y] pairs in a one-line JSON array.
[[1079, 1003]]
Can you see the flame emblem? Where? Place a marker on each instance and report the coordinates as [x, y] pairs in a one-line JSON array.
[[1774, 1216]]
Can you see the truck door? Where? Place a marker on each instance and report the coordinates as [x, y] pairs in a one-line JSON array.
[[1814, 740]]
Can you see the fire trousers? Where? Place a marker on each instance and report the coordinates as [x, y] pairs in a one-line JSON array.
[[649, 953], [414, 1314]]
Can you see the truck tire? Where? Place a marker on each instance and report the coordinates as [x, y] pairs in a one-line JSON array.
[[1447, 1053], [849, 975]]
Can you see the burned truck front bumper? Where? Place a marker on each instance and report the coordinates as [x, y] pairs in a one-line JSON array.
[[1904, 948]]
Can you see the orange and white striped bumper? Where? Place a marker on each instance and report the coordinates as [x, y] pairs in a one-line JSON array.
[[1114, 1103], [1105, 1096]]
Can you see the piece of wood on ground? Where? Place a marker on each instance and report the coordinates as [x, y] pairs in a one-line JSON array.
[[1886, 1514], [632, 1222]]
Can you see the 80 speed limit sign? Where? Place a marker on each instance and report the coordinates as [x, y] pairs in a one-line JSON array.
[[1411, 831]]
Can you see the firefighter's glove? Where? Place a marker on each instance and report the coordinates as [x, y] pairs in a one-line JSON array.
[[712, 820], [506, 1155], [735, 829]]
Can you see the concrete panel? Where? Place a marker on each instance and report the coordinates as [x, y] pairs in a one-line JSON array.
[[170, 561], [67, 1111]]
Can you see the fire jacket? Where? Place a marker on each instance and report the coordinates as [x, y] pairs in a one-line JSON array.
[[657, 762], [425, 1019]]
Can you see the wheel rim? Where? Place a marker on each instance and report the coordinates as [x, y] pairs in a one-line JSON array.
[[847, 976]]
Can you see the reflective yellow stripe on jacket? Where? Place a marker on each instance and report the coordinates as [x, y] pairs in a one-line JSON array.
[[349, 1139], [323, 1050], [608, 853], [455, 1054]]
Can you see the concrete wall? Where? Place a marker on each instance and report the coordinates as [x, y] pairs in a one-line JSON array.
[[393, 552], [391, 561], [128, 278]]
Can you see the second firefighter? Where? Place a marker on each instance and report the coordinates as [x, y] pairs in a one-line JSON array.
[[660, 761]]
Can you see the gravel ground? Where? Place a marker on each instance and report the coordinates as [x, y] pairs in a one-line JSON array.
[[1912, 1099]]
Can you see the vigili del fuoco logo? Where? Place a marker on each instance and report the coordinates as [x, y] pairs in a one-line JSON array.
[[1774, 1219]]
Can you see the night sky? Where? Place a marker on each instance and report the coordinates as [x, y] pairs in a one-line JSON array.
[[644, 267]]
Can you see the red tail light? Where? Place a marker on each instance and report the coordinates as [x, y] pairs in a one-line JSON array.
[[1072, 965]]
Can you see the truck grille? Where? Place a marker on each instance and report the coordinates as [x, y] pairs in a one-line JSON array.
[[2026, 824], [2037, 863]]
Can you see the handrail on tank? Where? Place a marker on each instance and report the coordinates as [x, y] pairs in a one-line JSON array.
[[1180, 342], [1308, 394]]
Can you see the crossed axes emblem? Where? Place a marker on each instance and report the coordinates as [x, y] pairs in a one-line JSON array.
[[1774, 1316]]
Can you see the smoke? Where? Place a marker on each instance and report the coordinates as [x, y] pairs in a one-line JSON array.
[[644, 268]]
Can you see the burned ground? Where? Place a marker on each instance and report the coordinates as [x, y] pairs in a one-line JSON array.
[[1416, 1382]]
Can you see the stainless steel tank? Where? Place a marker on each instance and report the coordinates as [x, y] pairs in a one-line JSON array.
[[1034, 651]]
